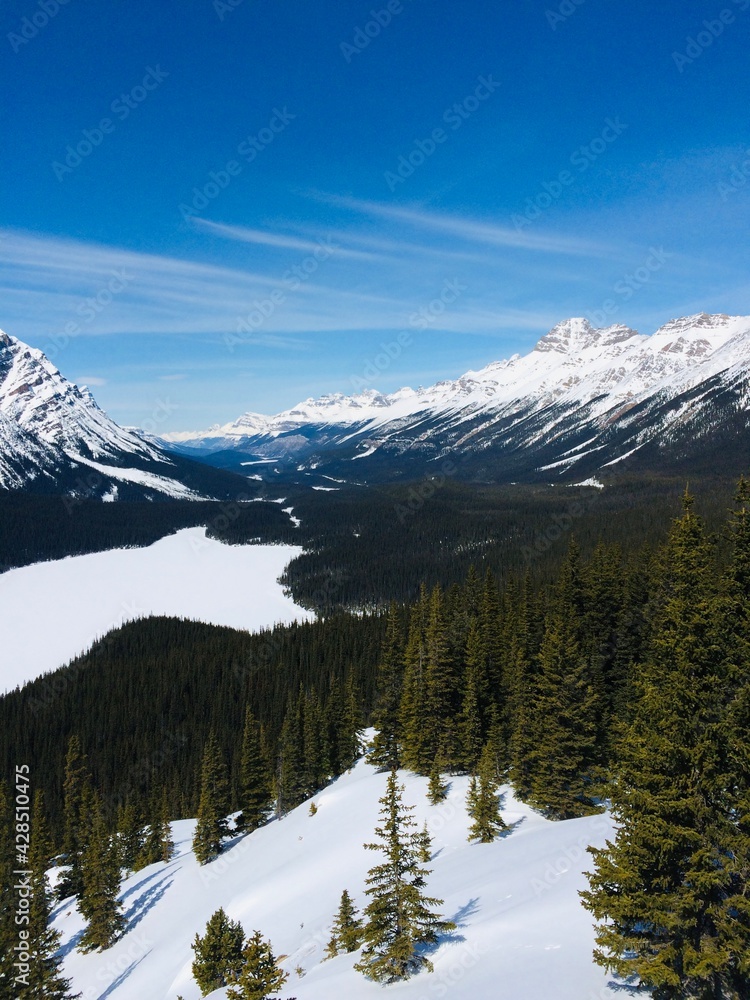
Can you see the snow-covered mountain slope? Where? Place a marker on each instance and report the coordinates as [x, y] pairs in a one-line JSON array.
[[568, 405], [522, 933], [185, 575], [54, 438]]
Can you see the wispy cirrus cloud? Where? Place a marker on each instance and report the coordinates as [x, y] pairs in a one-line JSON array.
[[472, 231]]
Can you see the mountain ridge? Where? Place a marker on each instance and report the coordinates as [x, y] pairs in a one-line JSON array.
[[578, 385], [54, 437]]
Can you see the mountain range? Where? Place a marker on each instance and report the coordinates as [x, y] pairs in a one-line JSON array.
[[584, 404]]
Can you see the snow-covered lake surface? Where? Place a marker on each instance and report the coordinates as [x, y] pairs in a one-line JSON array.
[[522, 933], [52, 611]]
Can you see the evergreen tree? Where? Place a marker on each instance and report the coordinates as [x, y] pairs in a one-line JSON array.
[[399, 917], [152, 846], [413, 712], [166, 843], [218, 953], [385, 746], [130, 835], [733, 921], [476, 700], [523, 686], [74, 790], [214, 804], [663, 889], [255, 780], [564, 718], [292, 782], [442, 689], [98, 903], [45, 977], [260, 975], [483, 803], [425, 844], [437, 789], [346, 933]]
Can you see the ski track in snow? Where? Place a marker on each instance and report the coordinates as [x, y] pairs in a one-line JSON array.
[[52, 611], [522, 933]]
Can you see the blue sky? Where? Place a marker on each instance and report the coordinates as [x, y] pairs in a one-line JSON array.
[[232, 205]]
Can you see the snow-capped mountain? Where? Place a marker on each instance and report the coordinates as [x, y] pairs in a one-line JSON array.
[[582, 400], [55, 438]]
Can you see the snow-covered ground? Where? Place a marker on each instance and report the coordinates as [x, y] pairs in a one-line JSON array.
[[522, 933], [52, 611]]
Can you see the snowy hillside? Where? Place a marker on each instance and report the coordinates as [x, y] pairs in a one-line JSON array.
[[522, 934], [83, 597]]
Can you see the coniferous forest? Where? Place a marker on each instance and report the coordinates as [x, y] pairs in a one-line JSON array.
[[620, 678]]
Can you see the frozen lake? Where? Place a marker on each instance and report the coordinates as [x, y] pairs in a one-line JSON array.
[[51, 611]]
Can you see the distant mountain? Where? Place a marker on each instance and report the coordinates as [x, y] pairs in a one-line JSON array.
[[583, 402], [55, 439]]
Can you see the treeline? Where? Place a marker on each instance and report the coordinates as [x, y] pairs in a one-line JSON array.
[[144, 699], [367, 546], [37, 528]]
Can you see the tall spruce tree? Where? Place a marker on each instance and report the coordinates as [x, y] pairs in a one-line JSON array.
[[475, 705], [218, 953], [483, 803], [130, 836], [98, 902], [260, 975], [385, 746], [733, 923], [413, 711], [255, 779], [346, 933], [662, 889], [75, 787], [400, 918], [564, 717], [214, 803], [442, 690]]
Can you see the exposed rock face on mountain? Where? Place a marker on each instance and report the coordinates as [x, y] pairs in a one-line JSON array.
[[54, 438], [583, 401]]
